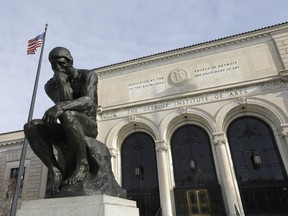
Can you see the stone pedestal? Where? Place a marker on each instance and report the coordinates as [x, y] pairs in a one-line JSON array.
[[98, 205]]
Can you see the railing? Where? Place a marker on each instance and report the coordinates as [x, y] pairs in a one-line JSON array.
[[158, 213], [148, 203]]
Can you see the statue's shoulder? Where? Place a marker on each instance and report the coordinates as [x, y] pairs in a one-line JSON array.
[[88, 74], [50, 84]]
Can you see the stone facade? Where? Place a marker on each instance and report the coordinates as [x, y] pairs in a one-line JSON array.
[[208, 83], [205, 84], [35, 176]]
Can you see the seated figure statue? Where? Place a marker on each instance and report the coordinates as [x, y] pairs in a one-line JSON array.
[[70, 125]]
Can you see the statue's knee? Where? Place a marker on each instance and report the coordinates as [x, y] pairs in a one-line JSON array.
[[30, 128]]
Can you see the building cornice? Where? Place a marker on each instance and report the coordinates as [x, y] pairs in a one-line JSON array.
[[193, 49], [14, 137]]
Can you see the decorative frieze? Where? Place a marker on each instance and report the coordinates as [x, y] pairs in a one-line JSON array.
[[274, 85], [181, 103]]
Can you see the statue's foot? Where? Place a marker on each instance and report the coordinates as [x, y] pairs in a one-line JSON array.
[[79, 174], [56, 180]]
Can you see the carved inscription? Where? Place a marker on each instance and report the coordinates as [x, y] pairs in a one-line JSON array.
[[193, 100], [146, 84], [219, 68]]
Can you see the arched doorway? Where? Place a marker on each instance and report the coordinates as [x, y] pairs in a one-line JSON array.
[[197, 191], [258, 167], [139, 172]]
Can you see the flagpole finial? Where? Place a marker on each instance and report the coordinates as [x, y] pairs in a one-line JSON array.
[[46, 25]]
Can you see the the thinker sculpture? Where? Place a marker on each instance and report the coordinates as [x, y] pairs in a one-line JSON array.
[[83, 165]]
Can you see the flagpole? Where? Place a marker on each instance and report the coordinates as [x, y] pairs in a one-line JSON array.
[[25, 143]]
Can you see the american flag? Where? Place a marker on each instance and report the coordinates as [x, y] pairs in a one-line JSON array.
[[34, 43]]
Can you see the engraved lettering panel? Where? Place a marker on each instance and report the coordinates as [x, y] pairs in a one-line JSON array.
[[186, 76]]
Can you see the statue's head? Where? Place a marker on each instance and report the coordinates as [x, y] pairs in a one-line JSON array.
[[59, 52], [61, 60]]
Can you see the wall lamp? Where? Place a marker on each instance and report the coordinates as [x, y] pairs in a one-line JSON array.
[[193, 165], [256, 160], [139, 172]]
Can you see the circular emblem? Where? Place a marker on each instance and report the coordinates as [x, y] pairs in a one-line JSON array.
[[178, 76]]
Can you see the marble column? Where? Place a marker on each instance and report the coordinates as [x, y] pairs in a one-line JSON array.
[[114, 163], [164, 177], [228, 182], [283, 147]]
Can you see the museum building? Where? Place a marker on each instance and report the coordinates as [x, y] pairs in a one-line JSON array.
[[199, 130]]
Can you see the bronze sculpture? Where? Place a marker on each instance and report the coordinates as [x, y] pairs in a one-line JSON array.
[[70, 126]]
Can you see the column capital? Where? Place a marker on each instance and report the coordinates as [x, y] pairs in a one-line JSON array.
[[113, 152], [283, 74], [161, 146], [219, 138], [284, 130]]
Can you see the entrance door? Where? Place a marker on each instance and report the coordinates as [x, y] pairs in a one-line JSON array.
[[197, 191], [139, 172], [258, 166]]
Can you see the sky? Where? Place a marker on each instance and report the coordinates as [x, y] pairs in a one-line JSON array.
[[104, 32]]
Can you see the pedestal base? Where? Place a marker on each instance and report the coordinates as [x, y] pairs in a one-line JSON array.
[[98, 205]]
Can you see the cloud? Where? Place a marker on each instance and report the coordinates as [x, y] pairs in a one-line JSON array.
[[101, 32]]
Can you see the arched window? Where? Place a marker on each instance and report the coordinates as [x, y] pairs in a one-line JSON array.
[[197, 191], [248, 136], [258, 166], [191, 144], [139, 172]]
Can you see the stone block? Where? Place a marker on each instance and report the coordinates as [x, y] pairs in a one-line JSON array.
[[98, 205]]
